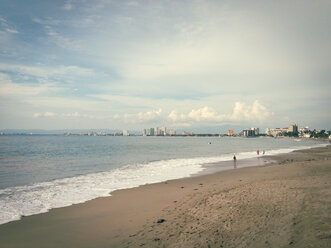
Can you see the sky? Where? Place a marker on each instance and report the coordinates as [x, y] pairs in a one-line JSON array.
[[187, 65]]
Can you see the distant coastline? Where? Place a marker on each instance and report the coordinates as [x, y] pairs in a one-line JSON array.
[[210, 135]]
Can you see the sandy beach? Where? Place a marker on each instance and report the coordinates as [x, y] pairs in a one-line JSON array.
[[285, 203]]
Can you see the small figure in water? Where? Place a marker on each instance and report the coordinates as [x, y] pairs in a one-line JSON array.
[[234, 158], [263, 152], [234, 161], [258, 152]]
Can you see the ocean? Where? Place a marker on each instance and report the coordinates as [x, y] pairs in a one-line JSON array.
[[41, 172]]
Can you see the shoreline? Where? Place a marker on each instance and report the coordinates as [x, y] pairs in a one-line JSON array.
[[129, 217], [207, 168], [103, 183], [211, 168]]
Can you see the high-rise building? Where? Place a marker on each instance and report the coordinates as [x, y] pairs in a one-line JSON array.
[[269, 131], [293, 128], [256, 131], [248, 132], [156, 131], [253, 131], [151, 131], [163, 131]]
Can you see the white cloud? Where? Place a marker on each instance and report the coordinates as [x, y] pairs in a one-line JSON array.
[[67, 115], [13, 31], [142, 116], [205, 114], [68, 5], [48, 21], [62, 40], [45, 72], [46, 114], [241, 112], [256, 111], [180, 125], [68, 104], [10, 89], [76, 114], [201, 114], [202, 48], [132, 3], [175, 116], [9, 28]]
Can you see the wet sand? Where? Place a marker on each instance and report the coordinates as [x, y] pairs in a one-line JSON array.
[[283, 204]]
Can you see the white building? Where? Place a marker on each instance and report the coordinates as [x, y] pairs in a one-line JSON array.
[[172, 132], [155, 131], [306, 135], [163, 131], [304, 129], [275, 131], [256, 130], [125, 133]]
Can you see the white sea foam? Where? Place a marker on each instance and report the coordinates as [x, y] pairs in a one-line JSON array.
[[16, 202]]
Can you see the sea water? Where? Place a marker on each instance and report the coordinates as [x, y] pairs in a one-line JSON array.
[[38, 173]]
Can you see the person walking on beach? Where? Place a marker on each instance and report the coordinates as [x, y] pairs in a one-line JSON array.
[[258, 152]]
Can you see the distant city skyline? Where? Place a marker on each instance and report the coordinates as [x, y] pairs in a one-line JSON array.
[[198, 66], [291, 130]]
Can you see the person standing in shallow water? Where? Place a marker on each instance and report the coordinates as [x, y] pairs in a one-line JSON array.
[[234, 161]]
